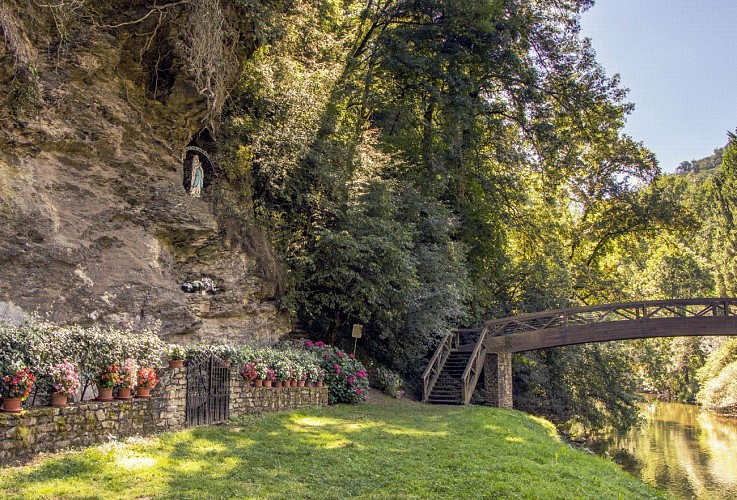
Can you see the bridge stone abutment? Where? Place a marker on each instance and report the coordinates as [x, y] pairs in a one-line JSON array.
[[498, 379]]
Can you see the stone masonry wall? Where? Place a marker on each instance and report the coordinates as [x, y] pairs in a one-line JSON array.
[[47, 429], [246, 400]]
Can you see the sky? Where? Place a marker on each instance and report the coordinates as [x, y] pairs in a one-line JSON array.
[[679, 60]]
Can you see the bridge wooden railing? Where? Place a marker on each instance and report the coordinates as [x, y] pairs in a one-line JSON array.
[[624, 311], [719, 317], [432, 372], [474, 367]]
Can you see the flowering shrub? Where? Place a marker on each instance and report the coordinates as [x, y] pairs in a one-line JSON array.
[[175, 352], [41, 345], [16, 381], [345, 375], [64, 379], [147, 378], [388, 381], [127, 376], [108, 377], [248, 372], [262, 369]]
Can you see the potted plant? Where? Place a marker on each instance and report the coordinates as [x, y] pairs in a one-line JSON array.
[[176, 354], [248, 372], [262, 371], [147, 380], [282, 372], [105, 380], [299, 373], [270, 377], [127, 378], [312, 371], [64, 382], [15, 386]]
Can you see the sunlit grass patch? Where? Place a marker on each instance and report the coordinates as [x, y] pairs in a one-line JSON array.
[[388, 450]]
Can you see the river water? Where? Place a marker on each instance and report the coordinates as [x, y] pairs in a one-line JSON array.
[[680, 450]]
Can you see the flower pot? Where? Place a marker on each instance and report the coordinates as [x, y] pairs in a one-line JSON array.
[[176, 363], [104, 393], [124, 393], [267, 383], [318, 383], [278, 384], [300, 383], [293, 383], [258, 382], [59, 400], [143, 392], [11, 405], [308, 383]]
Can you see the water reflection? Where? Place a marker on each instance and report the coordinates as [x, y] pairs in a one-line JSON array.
[[689, 454]]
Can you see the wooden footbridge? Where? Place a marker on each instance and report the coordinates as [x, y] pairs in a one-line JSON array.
[[455, 368]]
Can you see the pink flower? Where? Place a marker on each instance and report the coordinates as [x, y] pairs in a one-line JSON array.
[[337, 368], [361, 374], [359, 391], [308, 343], [339, 353], [351, 356], [326, 356]]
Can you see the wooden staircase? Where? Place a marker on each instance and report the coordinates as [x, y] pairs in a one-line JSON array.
[[448, 388], [454, 370]]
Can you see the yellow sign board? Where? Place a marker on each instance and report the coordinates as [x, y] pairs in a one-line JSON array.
[[357, 331]]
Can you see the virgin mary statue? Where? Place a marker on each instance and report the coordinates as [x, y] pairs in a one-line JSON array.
[[195, 184]]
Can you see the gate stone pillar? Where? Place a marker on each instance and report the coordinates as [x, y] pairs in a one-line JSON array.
[[498, 379]]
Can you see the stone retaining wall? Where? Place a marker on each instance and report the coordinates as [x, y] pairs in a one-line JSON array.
[[47, 429]]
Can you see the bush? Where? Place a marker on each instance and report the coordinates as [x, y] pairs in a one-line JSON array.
[[345, 376], [42, 346], [720, 393], [387, 381]]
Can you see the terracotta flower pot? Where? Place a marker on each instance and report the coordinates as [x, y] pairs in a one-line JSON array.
[[318, 383], [300, 383], [124, 393], [11, 405], [293, 383], [176, 363], [143, 392], [277, 384], [104, 393], [308, 383], [258, 382], [267, 383], [59, 400]]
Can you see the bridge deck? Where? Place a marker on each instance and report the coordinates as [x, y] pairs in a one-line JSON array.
[[581, 325]]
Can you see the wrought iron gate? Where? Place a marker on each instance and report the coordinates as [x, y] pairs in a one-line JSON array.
[[208, 391]]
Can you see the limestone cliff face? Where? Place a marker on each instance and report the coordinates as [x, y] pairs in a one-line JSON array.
[[95, 222]]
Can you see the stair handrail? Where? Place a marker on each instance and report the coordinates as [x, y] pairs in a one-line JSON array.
[[473, 368], [435, 366]]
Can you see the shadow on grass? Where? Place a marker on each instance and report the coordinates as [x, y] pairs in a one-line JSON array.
[[316, 454], [340, 452], [64, 468]]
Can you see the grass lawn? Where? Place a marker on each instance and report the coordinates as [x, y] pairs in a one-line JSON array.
[[381, 449]]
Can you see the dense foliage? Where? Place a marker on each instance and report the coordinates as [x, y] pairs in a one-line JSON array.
[[425, 164], [46, 349], [345, 376]]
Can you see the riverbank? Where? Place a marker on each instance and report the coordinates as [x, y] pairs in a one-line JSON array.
[[684, 451], [381, 449]]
